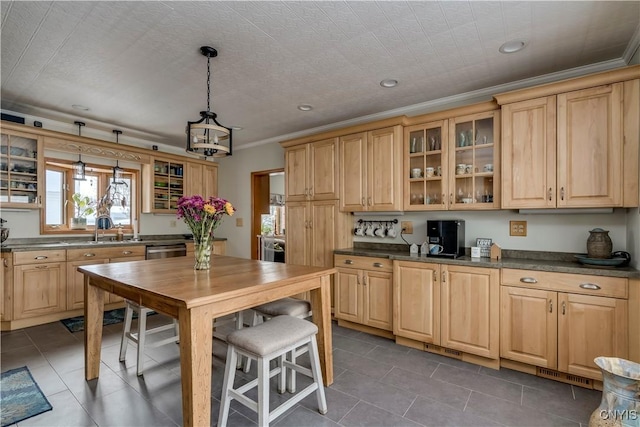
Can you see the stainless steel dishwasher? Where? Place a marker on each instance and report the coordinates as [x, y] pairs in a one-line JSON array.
[[166, 251]]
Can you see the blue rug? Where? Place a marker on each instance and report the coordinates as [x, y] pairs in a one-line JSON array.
[[76, 324], [20, 397]]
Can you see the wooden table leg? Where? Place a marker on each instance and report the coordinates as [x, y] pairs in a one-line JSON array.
[[196, 339], [321, 308], [93, 315]]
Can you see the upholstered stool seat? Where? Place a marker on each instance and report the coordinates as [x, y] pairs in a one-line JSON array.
[[140, 337], [265, 342]]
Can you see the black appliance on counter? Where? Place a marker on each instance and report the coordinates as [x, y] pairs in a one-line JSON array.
[[450, 234]]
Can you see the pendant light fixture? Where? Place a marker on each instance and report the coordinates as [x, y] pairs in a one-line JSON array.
[[79, 168], [117, 170], [206, 136]]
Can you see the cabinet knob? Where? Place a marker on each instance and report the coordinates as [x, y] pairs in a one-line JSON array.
[[564, 307], [550, 306], [443, 198], [550, 193], [528, 280], [41, 257], [311, 191], [89, 255], [561, 193], [590, 286]]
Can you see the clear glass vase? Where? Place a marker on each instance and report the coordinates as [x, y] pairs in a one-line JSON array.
[[202, 252]]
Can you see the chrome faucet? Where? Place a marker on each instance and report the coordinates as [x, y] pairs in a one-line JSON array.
[[103, 222]]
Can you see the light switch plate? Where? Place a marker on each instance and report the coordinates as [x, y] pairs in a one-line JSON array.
[[239, 222]]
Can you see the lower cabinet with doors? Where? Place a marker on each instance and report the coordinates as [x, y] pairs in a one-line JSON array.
[[87, 256], [562, 321], [39, 285], [448, 309], [363, 293]]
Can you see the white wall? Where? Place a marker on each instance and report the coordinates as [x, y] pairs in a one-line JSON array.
[[547, 232], [276, 183], [234, 184]]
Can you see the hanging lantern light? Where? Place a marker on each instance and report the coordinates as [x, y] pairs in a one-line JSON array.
[[206, 136], [117, 170], [79, 167]]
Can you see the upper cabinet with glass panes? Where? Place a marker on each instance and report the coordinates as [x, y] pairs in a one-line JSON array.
[[20, 173], [452, 162]]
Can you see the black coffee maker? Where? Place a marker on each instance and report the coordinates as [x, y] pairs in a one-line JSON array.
[[447, 233]]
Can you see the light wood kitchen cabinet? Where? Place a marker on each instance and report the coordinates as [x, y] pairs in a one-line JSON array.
[[21, 169], [163, 181], [201, 179], [39, 284], [88, 256], [453, 163], [563, 321], [312, 171], [363, 291], [371, 170], [571, 149], [6, 287], [218, 247], [453, 306]]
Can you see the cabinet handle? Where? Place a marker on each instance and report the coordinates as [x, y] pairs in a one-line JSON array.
[[5, 263], [377, 264], [89, 255], [550, 193], [369, 201], [41, 257], [564, 307], [590, 286], [306, 191], [443, 198], [348, 261], [311, 191], [550, 306], [435, 276], [450, 198], [306, 224], [126, 252], [364, 279], [358, 279], [39, 200], [561, 193], [42, 266], [528, 280], [363, 201], [444, 277]]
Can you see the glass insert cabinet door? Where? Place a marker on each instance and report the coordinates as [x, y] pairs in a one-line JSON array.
[[19, 171], [473, 167], [426, 166]]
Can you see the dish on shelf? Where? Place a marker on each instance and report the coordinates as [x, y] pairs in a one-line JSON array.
[[17, 151], [610, 262], [160, 184]]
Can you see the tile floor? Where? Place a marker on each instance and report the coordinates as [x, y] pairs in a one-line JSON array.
[[377, 383]]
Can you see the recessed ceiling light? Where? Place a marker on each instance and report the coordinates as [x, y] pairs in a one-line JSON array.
[[389, 83], [512, 46], [80, 107], [305, 107]]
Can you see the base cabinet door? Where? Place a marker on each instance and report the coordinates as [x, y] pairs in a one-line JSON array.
[[75, 283], [588, 327], [416, 303], [470, 310], [377, 311], [528, 326], [38, 289], [348, 297], [112, 297]]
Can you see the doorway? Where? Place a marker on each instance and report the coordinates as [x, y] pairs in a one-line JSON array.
[[267, 212]]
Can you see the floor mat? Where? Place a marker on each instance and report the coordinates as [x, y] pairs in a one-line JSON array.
[[20, 397], [76, 324]]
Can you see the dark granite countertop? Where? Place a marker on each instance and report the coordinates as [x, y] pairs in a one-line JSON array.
[[559, 262], [20, 245]]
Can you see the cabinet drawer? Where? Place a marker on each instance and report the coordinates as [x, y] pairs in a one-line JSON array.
[[105, 253], [586, 284], [36, 257], [363, 262]]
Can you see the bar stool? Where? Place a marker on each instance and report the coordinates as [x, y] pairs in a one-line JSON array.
[[140, 337], [265, 342], [282, 307]]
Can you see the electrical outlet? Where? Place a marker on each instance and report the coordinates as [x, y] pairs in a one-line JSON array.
[[518, 228], [172, 223], [239, 222], [407, 226]]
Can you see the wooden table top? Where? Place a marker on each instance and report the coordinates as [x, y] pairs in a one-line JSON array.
[[175, 280]]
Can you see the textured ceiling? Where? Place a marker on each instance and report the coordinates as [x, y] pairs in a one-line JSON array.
[[137, 65]]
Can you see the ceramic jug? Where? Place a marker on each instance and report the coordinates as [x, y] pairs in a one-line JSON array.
[[599, 244]]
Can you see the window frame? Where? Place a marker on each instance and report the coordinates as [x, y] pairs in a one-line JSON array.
[[104, 174]]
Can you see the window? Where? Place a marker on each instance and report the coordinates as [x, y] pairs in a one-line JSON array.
[[118, 200]]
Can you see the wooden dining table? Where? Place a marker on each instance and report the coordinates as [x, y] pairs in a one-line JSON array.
[[196, 297]]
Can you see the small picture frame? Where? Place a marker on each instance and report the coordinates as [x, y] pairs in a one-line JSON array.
[[485, 246]]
